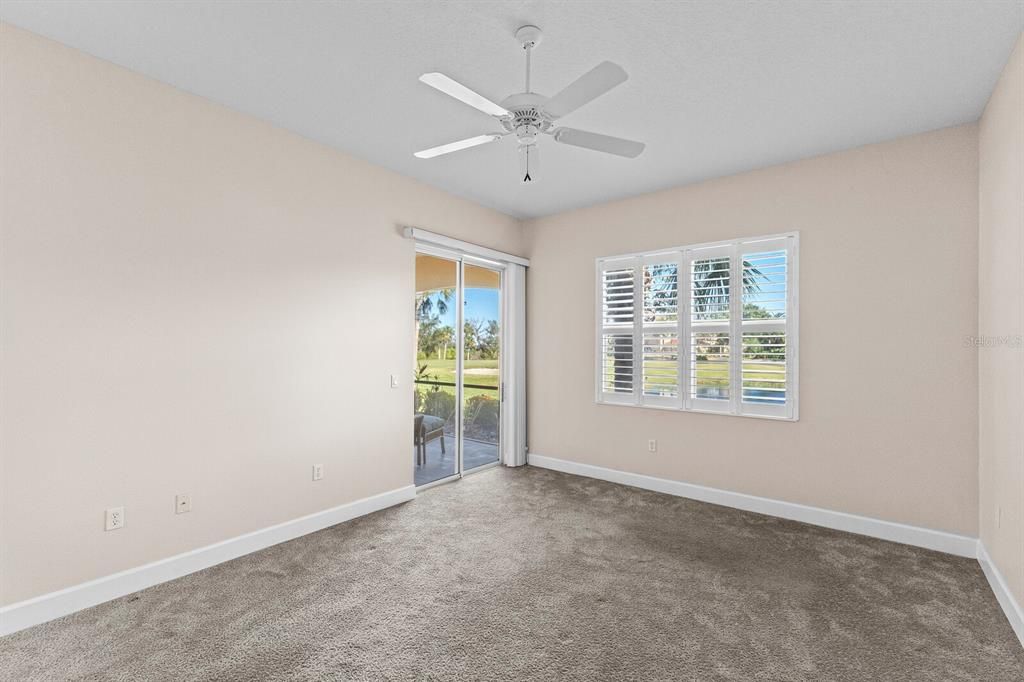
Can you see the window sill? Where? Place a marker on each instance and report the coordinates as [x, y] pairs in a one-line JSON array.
[[671, 408]]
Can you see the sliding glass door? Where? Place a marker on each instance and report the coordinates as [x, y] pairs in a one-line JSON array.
[[435, 417], [457, 396], [481, 365]]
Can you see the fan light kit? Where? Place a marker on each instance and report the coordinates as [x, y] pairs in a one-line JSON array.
[[528, 115]]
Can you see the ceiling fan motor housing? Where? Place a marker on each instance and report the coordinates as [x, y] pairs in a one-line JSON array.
[[527, 119]]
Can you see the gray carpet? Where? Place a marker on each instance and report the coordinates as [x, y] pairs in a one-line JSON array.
[[534, 575]]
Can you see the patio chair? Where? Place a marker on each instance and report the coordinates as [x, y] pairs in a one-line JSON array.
[[426, 428]]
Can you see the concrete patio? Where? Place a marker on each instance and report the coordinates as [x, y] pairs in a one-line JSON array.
[[475, 454]]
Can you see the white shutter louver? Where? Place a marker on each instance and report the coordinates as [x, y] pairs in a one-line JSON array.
[[709, 366], [618, 295], [764, 368], [617, 361], [616, 354]]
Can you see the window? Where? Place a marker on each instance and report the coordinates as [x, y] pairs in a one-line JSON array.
[[709, 328]]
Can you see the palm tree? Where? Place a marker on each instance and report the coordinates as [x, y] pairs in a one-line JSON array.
[[709, 296], [711, 286], [426, 302]]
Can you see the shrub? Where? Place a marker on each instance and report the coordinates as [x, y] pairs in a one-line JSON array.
[[481, 417], [440, 404]]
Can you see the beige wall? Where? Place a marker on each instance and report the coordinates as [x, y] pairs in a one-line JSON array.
[[1001, 306], [193, 302], [888, 287]]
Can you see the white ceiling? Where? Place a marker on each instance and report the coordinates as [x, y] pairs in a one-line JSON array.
[[715, 87]]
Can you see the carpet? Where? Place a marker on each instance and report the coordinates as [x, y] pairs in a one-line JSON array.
[[531, 574]]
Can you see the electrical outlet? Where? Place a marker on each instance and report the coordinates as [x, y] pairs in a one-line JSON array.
[[182, 504], [318, 472], [114, 518], [652, 445]]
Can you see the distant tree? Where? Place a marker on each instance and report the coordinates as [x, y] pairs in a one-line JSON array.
[[482, 339], [765, 345], [426, 336], [433, 338], [446, 339], [490, 341], [429, 307], [752, 311], [471, 338]]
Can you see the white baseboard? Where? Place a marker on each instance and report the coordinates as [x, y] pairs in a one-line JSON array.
[[950, 543], [46, 607], [1011, 608]]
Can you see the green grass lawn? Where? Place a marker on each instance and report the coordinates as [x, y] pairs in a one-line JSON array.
[[478, 373], [757, 374], [708, 374]]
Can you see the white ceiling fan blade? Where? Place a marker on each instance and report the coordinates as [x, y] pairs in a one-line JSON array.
[[586, 88], [456, 146], [599, 143], [462, 93]]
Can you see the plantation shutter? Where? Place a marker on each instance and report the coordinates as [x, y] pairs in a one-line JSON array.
[[710, 313], [660, 367], [767, 381], [617, 365], [708, 328]]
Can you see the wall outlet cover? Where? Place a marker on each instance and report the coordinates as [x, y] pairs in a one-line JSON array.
[[114, 518]]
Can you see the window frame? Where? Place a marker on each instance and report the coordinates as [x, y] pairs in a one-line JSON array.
[[684, 327]]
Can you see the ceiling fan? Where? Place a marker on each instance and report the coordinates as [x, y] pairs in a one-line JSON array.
[[528, 115]]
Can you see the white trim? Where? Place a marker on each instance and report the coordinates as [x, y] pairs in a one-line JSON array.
[[465, 248], [940, 541], [46, 607], [1014, 612], [460, 378], [703, 246]]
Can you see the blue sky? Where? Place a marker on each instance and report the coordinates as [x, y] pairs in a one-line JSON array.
[[482, 304]]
